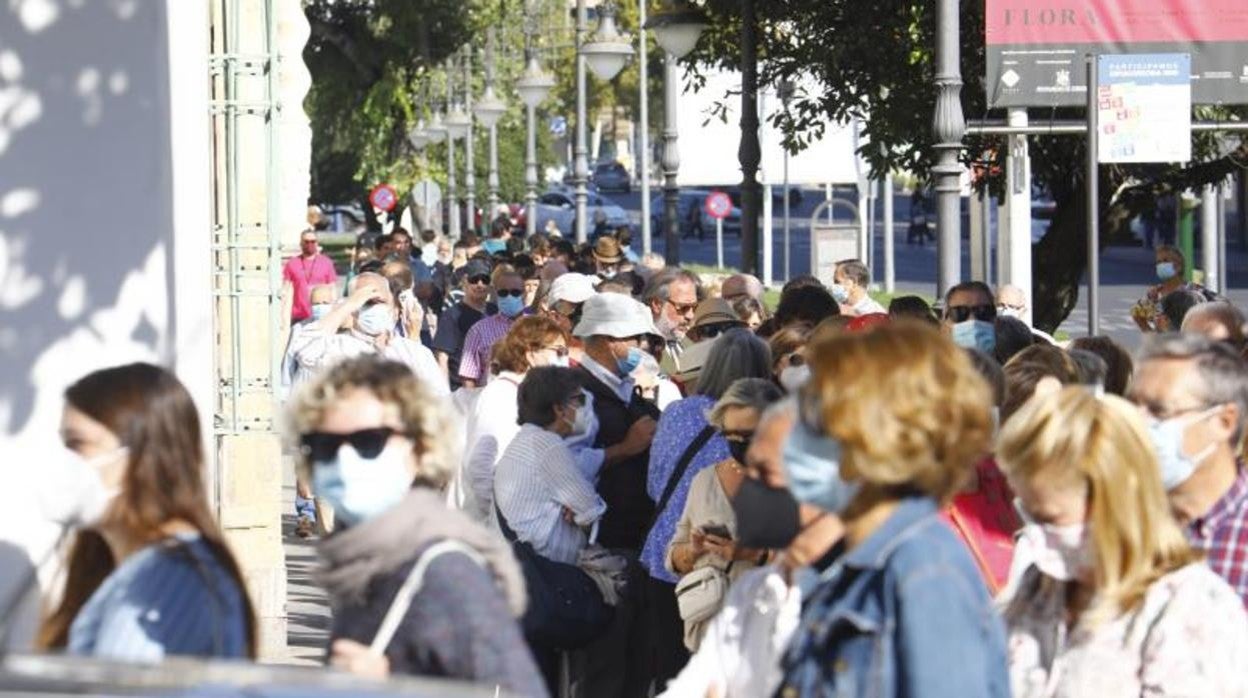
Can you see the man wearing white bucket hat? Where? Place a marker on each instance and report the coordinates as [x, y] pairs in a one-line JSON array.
[[613, 328]]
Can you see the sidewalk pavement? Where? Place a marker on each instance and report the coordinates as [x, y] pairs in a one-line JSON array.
[[307, 608]]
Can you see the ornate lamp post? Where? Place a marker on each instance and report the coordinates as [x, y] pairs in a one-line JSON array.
[[488, 111], [451, 125], [606, 55], [948, 125], [533, 87], [676, 29]]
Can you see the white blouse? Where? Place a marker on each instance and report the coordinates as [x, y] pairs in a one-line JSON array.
[[1188, 638]]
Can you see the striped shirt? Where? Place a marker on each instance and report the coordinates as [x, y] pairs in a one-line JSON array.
[[533, 482], [1222, 533], [314, 350], [474, 364], [170, 598]]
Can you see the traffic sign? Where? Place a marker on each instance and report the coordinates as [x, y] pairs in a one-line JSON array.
[[718, 205], [384, 197]]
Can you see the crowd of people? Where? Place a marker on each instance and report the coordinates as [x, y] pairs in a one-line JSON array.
[[568, 470]]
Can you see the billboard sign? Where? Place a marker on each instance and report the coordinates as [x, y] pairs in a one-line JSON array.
[[1036, 49], [1143, 100]]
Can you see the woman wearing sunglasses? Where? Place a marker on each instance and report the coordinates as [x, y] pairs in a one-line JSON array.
[[149, 576], [530, 343], [375, 441]]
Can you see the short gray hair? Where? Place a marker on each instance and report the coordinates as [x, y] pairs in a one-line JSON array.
[[752, 393], [1223, 373], [738, 353], [659, 286]]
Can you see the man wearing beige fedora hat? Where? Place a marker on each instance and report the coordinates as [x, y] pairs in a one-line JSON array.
[[607, 257]]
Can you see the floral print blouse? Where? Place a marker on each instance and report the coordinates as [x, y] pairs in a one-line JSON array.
[[1189, 637]]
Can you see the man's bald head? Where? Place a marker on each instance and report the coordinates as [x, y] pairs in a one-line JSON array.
[[1011, 297], [323, 293]]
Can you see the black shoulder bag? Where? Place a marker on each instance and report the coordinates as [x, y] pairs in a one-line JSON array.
[[565, 610]]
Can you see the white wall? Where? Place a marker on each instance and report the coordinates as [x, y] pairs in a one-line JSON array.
[[708, 149], [104, 195]]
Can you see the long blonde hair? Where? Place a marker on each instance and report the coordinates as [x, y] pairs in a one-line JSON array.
[[1100, 442]]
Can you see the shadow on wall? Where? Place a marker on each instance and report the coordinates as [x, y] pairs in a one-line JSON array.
[[86, 244]]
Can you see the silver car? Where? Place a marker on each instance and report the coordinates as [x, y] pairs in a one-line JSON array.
[[560, 206]]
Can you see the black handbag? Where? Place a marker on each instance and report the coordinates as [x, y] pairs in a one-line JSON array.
[[565, 610]]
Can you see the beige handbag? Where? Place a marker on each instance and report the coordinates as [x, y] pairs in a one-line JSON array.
[[700, 593]]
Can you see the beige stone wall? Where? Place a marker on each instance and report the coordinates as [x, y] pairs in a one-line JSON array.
[[260, 204]]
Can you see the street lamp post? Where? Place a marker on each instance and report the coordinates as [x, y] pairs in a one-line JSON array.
[[533, 87], [489, 110], [948, 126], [749, 153], [644, 116], [470, 175], [452, 209], [580, 165], [786, 95], [676, 29]]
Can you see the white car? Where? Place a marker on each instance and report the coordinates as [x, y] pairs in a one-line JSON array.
[[560, 206]]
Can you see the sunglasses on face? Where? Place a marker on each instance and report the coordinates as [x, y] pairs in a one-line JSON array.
[[684, 308], [559, 351], [479, 279], [510, 292], [796, 359], [962, 313], [322, 447]]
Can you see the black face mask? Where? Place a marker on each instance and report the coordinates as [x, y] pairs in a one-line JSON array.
[[766, 516], [738, 450]]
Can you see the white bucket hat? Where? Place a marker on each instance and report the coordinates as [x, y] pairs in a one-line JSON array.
[[614, 315], [571, 288]]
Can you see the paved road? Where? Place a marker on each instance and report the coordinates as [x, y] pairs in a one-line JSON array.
[[1126, 272], [307, 608]]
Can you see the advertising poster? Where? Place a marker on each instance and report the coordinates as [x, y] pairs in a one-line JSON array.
[[1037, 49], [1144, 108]]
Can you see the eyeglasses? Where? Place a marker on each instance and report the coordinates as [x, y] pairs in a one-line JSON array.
[[684, 308], [1161, 413], [510, 292], [322, 447], [559, 351], [309, 241], [737, 435], [479, 279], [962, 313]]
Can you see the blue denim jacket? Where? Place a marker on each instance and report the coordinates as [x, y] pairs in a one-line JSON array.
[[903, 614]]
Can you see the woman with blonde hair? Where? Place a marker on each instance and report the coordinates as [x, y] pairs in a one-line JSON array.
[[890, 426], [1106, 597], [431, 591]]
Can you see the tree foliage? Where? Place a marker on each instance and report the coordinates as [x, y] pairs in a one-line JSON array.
[[874, 62]]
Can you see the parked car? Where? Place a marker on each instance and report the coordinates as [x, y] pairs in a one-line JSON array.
[[700, 224], [611, 176], [559, 205]]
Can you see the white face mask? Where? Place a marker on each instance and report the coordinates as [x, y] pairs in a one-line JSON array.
[[1007, 311], [375, 320], [581, 423], [95, 497], [794, 377]]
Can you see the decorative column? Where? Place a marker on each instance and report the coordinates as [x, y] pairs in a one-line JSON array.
[[470, 177], [580, 151], [749, 153], [948, 126]]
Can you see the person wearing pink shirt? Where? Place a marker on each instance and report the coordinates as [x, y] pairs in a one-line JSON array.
[[310, 268]]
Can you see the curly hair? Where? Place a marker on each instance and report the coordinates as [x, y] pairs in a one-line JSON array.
[[425, 418], [906, 404], [527, 334]]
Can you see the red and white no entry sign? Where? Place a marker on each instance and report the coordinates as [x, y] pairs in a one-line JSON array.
[[718, 205], [384, 197]]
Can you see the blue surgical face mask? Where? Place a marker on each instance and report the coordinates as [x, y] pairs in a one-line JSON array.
[[320, 310], [628, 364], [1167, 436], [840, 294], [359, 488], [1166, 271], [812, 465], [976, 334], [511, 306], [375, 320]]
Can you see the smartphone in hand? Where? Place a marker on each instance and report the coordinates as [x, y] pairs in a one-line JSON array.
[[718, 530]]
